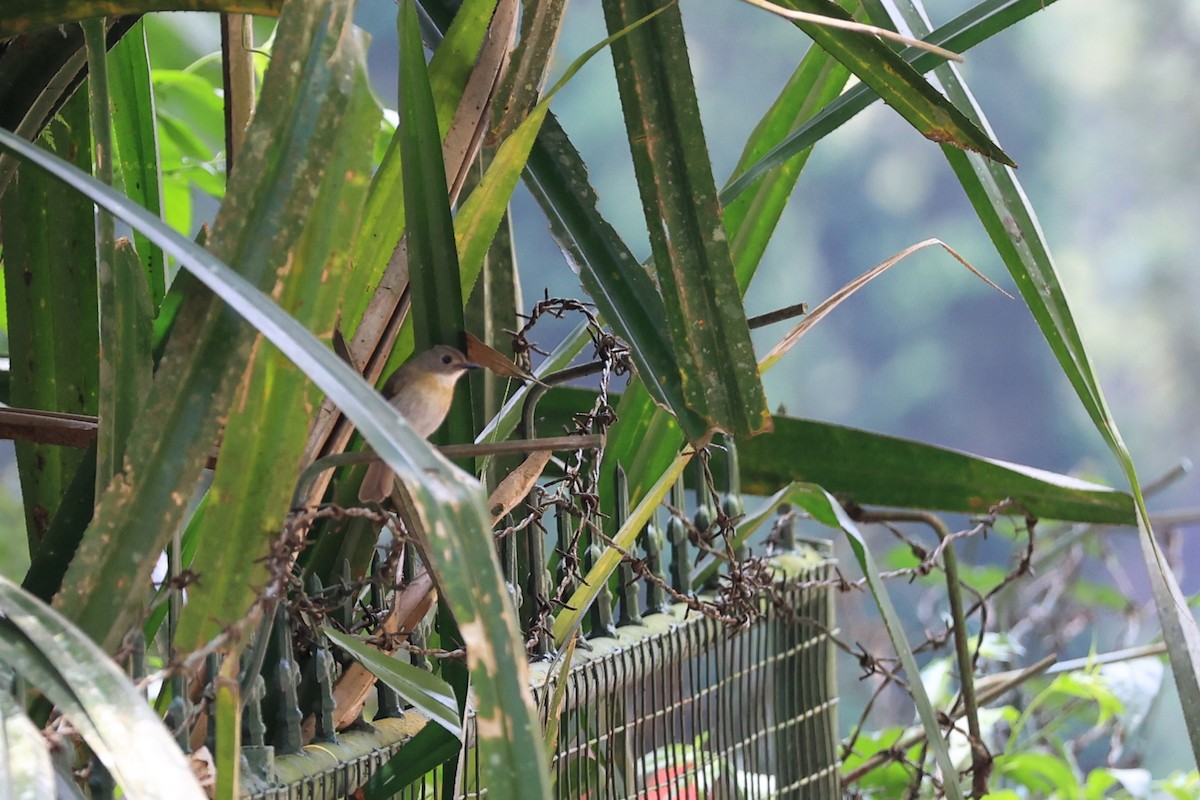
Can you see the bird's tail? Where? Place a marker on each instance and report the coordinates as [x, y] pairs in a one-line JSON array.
[[377, 484]]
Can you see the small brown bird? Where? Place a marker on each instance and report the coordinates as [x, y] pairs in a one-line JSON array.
[[421, 390]]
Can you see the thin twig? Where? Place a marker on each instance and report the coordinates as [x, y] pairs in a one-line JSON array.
[[980, 757], [857, 27], [917, 736]]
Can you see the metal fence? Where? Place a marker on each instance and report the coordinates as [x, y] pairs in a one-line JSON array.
[[664, 697], [681, 707], [676, 706]]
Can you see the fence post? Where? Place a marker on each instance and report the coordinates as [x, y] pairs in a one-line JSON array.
[[631, 612]]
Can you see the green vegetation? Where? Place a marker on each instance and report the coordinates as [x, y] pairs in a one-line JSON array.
[[246, 288]]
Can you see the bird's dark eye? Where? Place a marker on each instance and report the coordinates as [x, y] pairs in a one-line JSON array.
[[446, 359]]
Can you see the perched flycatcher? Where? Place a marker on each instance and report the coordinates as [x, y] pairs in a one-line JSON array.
[[421, 390]]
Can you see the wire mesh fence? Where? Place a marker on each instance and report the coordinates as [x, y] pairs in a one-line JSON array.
[[684, 707], [679, 705]]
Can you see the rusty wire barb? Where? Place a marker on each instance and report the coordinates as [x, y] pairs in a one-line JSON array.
[[737, 598], [309, 610], [575, 495]]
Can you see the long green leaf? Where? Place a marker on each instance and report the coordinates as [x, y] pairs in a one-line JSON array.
[[1002, 206], [463, 556], [49, 243], [645, 438], [119, 321], [106, 706], [268, 427], [901, 86], [429, 694], [127, 358], [623, 292], [871, 468], [476, 222], [705, 317], [455, 57], [128, 286], [960, 34], [432, 255], [751, 218], [384, 215], [875, 469], [136, 137]]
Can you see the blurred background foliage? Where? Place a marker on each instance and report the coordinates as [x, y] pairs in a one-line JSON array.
[[1093, 99]]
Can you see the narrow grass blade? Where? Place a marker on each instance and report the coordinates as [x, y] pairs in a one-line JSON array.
[[49, 562], [429, 694], [492, 309], [960, 34], [136, 137]]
